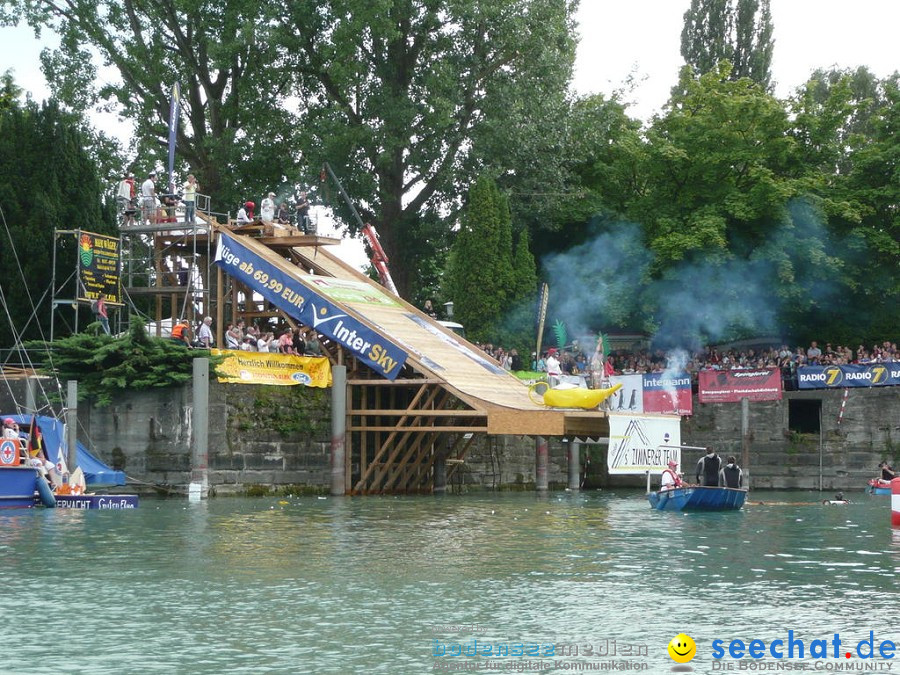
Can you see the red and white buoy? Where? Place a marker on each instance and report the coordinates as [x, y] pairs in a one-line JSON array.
[[895, 502]]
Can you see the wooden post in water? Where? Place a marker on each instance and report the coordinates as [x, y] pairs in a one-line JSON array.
[[440, 472], [72, 424], [745, 439], [200, 431], [338, 429], [574, 463], [541, 463]]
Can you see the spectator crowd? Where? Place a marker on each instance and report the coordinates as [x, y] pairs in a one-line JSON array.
[[572, 360]]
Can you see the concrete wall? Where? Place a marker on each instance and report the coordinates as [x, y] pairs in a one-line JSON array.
[[281, 436]]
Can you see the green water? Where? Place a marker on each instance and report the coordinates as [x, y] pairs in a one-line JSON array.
[[360, 585]]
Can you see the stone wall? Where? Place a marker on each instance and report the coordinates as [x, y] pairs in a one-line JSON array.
[[257, 436], [281, 436]]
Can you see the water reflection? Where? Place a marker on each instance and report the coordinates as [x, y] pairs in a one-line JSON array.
[[358, 584]]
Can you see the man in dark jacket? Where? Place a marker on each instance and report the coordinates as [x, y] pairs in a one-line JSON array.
[[708, 469], [731, 475]]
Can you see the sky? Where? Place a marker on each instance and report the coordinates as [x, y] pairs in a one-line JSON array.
[[641, 38]]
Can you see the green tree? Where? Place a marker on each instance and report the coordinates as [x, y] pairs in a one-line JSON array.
[[106, 365], [48, 180], [480, 278], [235, 134], [737, 31], [409, 99]]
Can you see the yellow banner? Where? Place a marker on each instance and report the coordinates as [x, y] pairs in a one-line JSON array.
[[281, 369]]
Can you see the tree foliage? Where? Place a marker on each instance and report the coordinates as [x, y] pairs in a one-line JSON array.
[[48, 180], [409, 98], [236, 127], [480, 276], [104, 365], [737, 31]]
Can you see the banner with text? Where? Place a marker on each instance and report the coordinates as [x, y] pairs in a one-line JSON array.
[[839, 377], [640, 444], [730, 386], [98, 267], [668, 393], [308, 307], [279, 369]]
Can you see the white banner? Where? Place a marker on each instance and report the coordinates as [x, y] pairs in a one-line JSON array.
[[630, 398], [640, 444]]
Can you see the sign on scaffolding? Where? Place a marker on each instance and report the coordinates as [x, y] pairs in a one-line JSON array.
[[99, 267]]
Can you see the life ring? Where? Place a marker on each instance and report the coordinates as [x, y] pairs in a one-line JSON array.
[[10, 452]]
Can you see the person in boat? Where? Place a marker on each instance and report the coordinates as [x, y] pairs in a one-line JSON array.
[[708, 469], [887, 471], [731, 475], [37, 459], [671, 479]]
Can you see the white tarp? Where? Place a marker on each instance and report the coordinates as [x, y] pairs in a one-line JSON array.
[[639, 444]]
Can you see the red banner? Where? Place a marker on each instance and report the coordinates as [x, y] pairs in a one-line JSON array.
[[730, 386]]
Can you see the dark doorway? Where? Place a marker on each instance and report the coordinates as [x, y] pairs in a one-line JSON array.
[[804, 415]]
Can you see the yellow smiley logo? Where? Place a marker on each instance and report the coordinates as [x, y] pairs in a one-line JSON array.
[[682, 648]]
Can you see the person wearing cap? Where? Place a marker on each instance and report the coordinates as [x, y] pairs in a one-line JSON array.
[[267, 208], [671, 479], [731, 475], [243, 216], [554, 370], [10, 428], [148, 198]]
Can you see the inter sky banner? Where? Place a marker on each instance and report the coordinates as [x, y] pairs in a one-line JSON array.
[[241, 367], [841, 377], [98, 267], [639, 444], [730, 386], [308, 307]]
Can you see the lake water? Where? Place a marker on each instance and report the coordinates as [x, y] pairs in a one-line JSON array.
[[384, 584]]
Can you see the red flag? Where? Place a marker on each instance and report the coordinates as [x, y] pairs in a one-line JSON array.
[[35, 443]]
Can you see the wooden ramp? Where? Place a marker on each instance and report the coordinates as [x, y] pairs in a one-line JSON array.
[[447, 393]]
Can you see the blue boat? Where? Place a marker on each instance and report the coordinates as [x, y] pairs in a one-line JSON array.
[[878, 486], [698, 498], [22, 486]]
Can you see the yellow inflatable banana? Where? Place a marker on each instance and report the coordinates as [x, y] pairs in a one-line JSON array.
[[573, 398]]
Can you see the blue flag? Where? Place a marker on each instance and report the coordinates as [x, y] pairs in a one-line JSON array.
[[173, 131]]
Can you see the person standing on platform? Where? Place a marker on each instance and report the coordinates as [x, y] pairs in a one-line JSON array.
[[708, 469], [189, 198], [731, 475], [204, 335], [303, 213], [148, 199], [670, 477], [267, 208]]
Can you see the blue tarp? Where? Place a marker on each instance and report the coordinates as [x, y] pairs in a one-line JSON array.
[[53, 430]]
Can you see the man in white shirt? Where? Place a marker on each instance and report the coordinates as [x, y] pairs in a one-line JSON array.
[[670, 477], [148, 198], [553, 368], [204, 335]]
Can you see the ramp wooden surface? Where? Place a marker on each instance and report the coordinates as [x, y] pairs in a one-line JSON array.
[[434, 351]]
